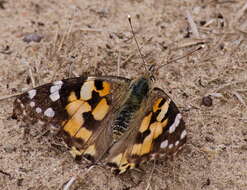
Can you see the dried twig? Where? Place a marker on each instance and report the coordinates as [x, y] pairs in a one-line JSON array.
[[65, 37], [128, 58], [31, 76], [9, 96], [118, 63], [241, 90], [216, 95], [229, 84], [69, 183], [75, 74], [211, 21], [93, 30], [239, 97], [5, 173], [189, 43], [241, 12], [192, 24], [150, 177]]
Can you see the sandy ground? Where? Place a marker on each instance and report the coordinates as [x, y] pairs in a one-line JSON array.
[[88, 36]]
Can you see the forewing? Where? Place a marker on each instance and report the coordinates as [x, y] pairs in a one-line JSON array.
[[157, 130], [79, 107]]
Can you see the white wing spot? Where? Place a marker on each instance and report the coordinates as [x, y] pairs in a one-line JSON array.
[[170, 146], [54, 96], [59, 82], [49, 112], [57, 86], [38, 110], [176, 143], [32, 104], [164, 144], [86, 90], [175, 123], [183, 134], [32, 93]]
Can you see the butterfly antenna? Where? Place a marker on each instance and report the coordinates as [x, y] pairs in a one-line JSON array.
[[138, 47], [183, 56]]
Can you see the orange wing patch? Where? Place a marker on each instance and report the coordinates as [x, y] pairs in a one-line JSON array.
[[75, 110], [152, 126], [100, 110], [84, 112], [102, 88]]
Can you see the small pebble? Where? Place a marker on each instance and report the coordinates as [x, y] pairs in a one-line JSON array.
[[32, 38], [9, 149], [207, 101]]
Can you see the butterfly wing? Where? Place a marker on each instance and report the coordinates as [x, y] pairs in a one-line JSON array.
[[79, 107], [156, 130]]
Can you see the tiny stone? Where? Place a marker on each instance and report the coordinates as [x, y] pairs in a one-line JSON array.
[[32, 38], [207, 101], [19, 182], [28, 80], [202, 22], [220, 16], [209, 139], [9, 149], [41, 24], [244, 132], [2, 4], [24, 170], [244, 147]]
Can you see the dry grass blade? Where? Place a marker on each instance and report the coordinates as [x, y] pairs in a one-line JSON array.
[[69, 183], [9, 96], [150, 177], [94, 30], [189, 43], [31, 76], [239, 97], [241, 12], [192, 24], [229, 84], [118, 63]]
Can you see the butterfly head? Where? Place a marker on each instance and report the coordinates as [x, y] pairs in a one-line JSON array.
[[140, 86]]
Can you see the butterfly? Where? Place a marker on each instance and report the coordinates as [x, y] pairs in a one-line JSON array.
[[115, 120], [110, 119]]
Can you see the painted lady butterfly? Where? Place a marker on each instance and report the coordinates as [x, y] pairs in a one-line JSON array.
[[118, 121], [122, 121]]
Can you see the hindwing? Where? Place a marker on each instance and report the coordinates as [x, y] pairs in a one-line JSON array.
[[156, 130]]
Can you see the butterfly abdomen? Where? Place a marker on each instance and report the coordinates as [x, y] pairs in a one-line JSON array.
[[138, 91]]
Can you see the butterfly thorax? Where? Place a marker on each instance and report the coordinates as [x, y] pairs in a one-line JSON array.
[[139, 89]]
